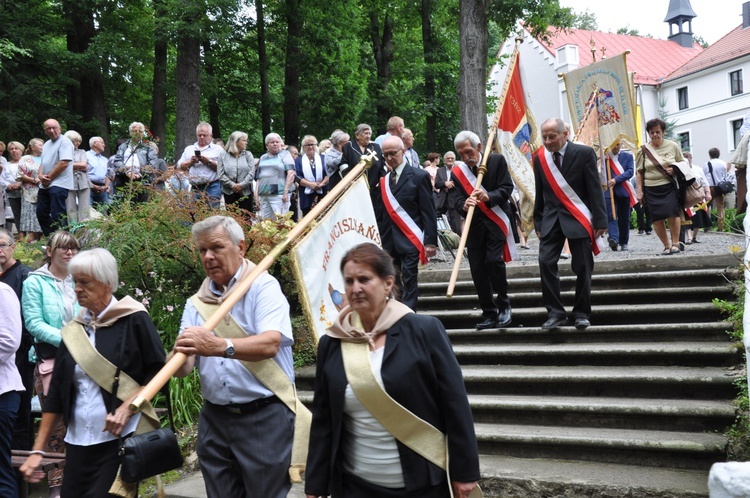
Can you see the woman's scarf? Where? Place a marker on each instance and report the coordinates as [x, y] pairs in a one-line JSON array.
[[122, 308], [348, 325], [208, 297], [308, 174]]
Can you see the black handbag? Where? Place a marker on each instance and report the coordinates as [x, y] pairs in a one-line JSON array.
[[148, 454], [724, 187]]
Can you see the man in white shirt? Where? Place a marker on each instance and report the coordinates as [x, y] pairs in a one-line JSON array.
[[97, 173], [394, 128], [200, 160], [717, 171], [56, 174], [411, 156]]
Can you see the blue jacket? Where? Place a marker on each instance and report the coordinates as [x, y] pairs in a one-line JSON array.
[[626, 161], [44, 308]]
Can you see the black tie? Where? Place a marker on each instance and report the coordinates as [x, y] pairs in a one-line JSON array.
[[394, 178], [558, 159]]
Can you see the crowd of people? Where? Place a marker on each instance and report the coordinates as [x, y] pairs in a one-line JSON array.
[[65, 322]]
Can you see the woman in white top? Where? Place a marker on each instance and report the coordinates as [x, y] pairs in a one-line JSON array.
[[13, 186], [79, 198]]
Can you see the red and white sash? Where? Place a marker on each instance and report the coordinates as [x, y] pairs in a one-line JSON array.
[[402, 219], [617, 169], [466, 178], [568, 197]]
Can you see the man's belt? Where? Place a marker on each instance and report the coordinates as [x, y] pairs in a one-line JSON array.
[[203, 185], [251, 407]]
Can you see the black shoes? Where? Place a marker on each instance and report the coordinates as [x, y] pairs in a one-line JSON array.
[[554, 322], [489, 323], [582, 323], [496, 322], [612, 243]]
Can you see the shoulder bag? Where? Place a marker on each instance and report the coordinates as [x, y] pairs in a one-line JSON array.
[[723, 187], [689, 190]]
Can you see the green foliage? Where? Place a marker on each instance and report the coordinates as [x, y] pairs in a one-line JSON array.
[[585, 20], [29, 253]]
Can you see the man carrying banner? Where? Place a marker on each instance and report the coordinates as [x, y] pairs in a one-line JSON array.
[[620, 164], [568, 204], [245, 430], [406, 218], [490, 236]]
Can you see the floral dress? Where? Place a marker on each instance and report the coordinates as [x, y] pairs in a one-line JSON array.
[[29, 166]]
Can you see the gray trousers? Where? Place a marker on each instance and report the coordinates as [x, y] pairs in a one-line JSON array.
[[246, 455]]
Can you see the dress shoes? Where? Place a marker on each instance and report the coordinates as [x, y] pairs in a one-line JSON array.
[[612, 243], [624, 247], [582, 323], [554, 322], [505, 318], [489, 323]]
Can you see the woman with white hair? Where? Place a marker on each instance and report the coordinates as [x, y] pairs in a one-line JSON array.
[[275, 175], [353, 150], [79, 197], [134, 162], [236, 168], [333, 154], [311, 175], [106, 330], [28, 175]]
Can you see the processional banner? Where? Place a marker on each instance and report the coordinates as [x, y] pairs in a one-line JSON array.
[[317, 256]]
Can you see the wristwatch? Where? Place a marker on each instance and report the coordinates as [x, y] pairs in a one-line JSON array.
[[229, 351]]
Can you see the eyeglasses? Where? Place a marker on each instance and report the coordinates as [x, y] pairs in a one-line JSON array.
[[391, 153], [66, 249]]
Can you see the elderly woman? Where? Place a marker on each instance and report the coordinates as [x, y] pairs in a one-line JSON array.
[[134, 161], [275, 176], [13, 186], [352, 450], [333, 156], [236, 168], [79, 197], [656, 185], [354, 149], [310, 168], [48, 303], [80, 395], [28, 175]]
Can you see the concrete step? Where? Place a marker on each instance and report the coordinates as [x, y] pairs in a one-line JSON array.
[[611, 314], [604, 412], [611, 381], [687, 450], [611, 353], [694, 332], [512, 477]]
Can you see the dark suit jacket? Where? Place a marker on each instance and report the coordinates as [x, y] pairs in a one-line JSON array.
[[144, 357], [419, 371], [306, 199], [350, 154], [626, 161], [499, 187], [414, 192], [445, 196], [579, 169]]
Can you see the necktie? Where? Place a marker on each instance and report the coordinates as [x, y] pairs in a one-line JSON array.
[[394, 178], [558, 159], [312, 167]]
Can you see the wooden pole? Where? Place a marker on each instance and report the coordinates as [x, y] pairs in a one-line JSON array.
[[174, 364]]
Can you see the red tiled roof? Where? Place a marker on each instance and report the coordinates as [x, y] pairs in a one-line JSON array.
[[651, 59], [734, 44]]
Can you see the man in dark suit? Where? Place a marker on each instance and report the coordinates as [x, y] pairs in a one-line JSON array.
[[619, 181], [446, 197], [406, 218], [487, 241], [578, 214]]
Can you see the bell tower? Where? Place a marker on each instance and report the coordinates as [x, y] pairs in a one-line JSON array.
[[680, 15]]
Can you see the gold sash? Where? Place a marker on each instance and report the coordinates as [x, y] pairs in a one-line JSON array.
[[270, 374]]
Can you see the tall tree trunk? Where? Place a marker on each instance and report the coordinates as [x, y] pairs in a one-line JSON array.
[[188, 91], [265, 95], [292, 70], [472, 76], [213, 102], [428, 47], [159, 93], [382, 48]]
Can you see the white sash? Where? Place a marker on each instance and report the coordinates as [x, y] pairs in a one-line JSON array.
[[618, 170], [402, 219], [307, 172]]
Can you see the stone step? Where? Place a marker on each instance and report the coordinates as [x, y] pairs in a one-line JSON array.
[[610, 314], [695, 332], [611, 353], [604, 412], [511, 477], [687, 450]]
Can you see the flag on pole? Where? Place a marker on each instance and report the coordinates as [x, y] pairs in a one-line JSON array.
[[317, 256], [610, 83], [517, 135]]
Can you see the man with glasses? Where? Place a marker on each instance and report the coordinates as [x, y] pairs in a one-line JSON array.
[[97, 173], [56, 174], [201, 160], [13, 274], [406, 218]]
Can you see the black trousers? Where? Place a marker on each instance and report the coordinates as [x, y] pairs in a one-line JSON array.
[[359, 488], [90, 470], [489, 275]]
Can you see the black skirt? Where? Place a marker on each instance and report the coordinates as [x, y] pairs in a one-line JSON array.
[[663, 201]]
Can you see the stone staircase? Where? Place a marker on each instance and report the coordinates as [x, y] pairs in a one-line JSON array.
[[634, 406]]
